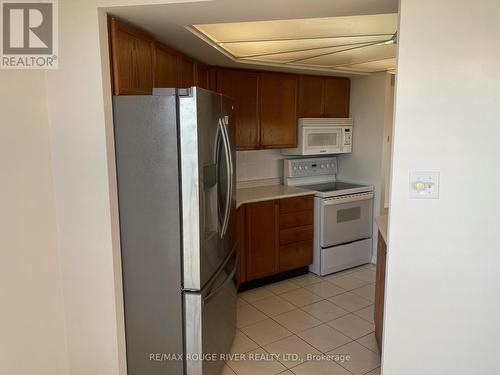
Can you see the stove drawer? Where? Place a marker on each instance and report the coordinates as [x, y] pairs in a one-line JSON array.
[[296, 219], [296, 234], [295, 255]]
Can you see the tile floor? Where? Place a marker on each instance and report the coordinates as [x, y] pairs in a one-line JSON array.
[[289, 327]]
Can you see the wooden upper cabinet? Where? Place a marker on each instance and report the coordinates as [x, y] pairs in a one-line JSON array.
[[187, 72], [243, 87], [261, 239], [278, 114], [323, 97], [336, 97], [310, 96], [166, 66], [132, 54], [201, 76]]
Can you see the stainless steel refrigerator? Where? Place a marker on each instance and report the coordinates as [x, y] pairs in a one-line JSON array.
[[176, 188]]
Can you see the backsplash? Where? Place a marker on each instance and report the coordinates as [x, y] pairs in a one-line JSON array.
[[259, 165]]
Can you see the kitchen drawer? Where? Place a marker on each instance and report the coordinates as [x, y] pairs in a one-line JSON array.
[[296, 234], [296, 204], [295, 255], [296, 219]]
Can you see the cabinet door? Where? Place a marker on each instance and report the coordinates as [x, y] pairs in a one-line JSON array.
[[243, 88], [187, 72], [261, 239], [201, 75], [278, 114], [296, 255], [240, 245], [336, 97], [132, 53], [166, 66], [310, 97]]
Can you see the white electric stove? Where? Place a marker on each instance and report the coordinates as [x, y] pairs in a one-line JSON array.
[[343, 214]]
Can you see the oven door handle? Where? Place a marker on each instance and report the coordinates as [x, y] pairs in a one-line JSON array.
[[347, 199]]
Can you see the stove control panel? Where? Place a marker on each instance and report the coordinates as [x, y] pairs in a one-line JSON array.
[[310, 167]]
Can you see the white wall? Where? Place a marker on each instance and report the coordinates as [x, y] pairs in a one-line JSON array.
[[442, 298], [83, 182], [369, 96], [32, 326]]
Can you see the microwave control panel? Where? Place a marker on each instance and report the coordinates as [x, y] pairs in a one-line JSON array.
[[347, 137], [310, 167]]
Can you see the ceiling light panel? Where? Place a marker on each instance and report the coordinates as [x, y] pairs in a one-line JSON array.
[[354, 55], [372, 66], [314, 42], [251, 49]]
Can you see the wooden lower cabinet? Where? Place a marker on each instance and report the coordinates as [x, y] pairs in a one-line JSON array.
[[379, 289], [271, 239], [297, 234], [295, 219], [261, 239], [240, 246], [295, 255], [296, 204]]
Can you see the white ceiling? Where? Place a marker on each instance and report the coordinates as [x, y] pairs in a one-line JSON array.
[[168, 22]]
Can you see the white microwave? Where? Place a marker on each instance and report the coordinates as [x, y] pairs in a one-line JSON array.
[[320, 136]]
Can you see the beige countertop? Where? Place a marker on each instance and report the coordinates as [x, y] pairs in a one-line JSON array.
[[266, 193], [381, 222]]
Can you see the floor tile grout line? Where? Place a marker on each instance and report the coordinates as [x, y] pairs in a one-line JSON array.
[[366, 320], [290, 369], [360, 343], [248, 337], [301, 309], [364, 373]]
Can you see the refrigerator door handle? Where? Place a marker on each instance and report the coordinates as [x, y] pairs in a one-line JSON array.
[[229, 195], [224, 283]]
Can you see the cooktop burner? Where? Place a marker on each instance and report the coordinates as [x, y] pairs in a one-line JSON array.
[[319, 175], [332, 186], [337, 188]]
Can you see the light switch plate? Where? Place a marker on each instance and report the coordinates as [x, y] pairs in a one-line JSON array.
[[424, 185]]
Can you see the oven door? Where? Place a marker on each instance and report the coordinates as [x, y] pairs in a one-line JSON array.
[[322, 139], [346, 218]]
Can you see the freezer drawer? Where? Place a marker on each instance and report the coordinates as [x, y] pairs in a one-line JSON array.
[[210, 321]]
